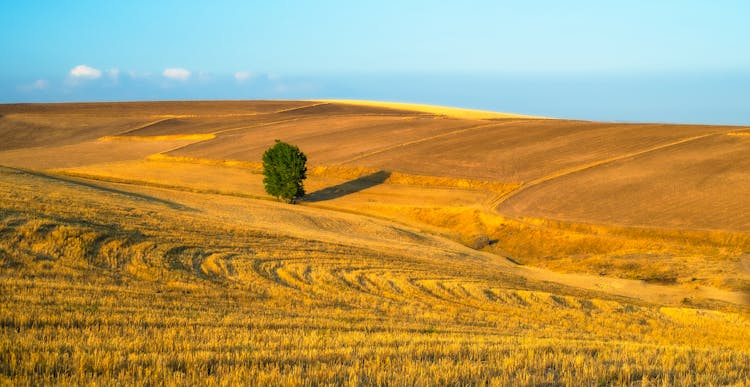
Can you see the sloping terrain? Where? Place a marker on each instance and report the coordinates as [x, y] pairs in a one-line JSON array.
[[700, 183], [103, 280], [546, 192], [435, 246], [525, 150], [326, 139]]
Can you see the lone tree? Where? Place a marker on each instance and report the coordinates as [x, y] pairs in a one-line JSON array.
[[284, 169]]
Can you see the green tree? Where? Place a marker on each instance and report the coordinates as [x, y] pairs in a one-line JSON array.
[[284, 168]]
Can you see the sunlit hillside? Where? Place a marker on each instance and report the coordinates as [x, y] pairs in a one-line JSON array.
[[432, 109], [434, 247]]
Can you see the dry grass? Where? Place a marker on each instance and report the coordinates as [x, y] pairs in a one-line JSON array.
[[100, 284], [690, 258], [150, 260]]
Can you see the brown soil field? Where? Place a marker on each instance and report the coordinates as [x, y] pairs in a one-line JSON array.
[[329, 140], [27, 125], [23, 130], [84, 153], [218, 123], [527, 149], [210, 108], [697, 184]]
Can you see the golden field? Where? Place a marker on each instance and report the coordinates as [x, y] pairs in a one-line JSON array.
[[435, 246]]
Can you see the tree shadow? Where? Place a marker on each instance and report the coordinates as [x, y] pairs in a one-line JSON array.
[[349, 187]]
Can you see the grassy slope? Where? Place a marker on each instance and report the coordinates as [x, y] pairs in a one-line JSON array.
[[195, 280], [101, 282]]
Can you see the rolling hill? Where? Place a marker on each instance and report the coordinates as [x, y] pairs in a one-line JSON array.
[[436, 246]]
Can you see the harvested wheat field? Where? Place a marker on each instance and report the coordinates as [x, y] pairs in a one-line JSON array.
[[436, 246]]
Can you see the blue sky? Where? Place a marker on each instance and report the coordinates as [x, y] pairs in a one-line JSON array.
[[675, 61]]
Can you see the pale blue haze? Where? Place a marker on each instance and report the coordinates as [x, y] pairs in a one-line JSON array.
[[667, 61]]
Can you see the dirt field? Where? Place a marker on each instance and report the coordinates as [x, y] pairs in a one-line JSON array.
[[698, 184]]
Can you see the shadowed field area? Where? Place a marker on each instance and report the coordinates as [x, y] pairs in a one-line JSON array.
[[347, 188], [436, 246]]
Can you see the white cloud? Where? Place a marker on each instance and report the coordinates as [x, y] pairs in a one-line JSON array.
[[86, 72], [242, 76], [177, 73]]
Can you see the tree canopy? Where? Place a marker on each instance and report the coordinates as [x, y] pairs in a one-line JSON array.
[[284, 168]]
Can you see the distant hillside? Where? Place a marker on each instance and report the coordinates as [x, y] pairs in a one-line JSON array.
[[688, 176]]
